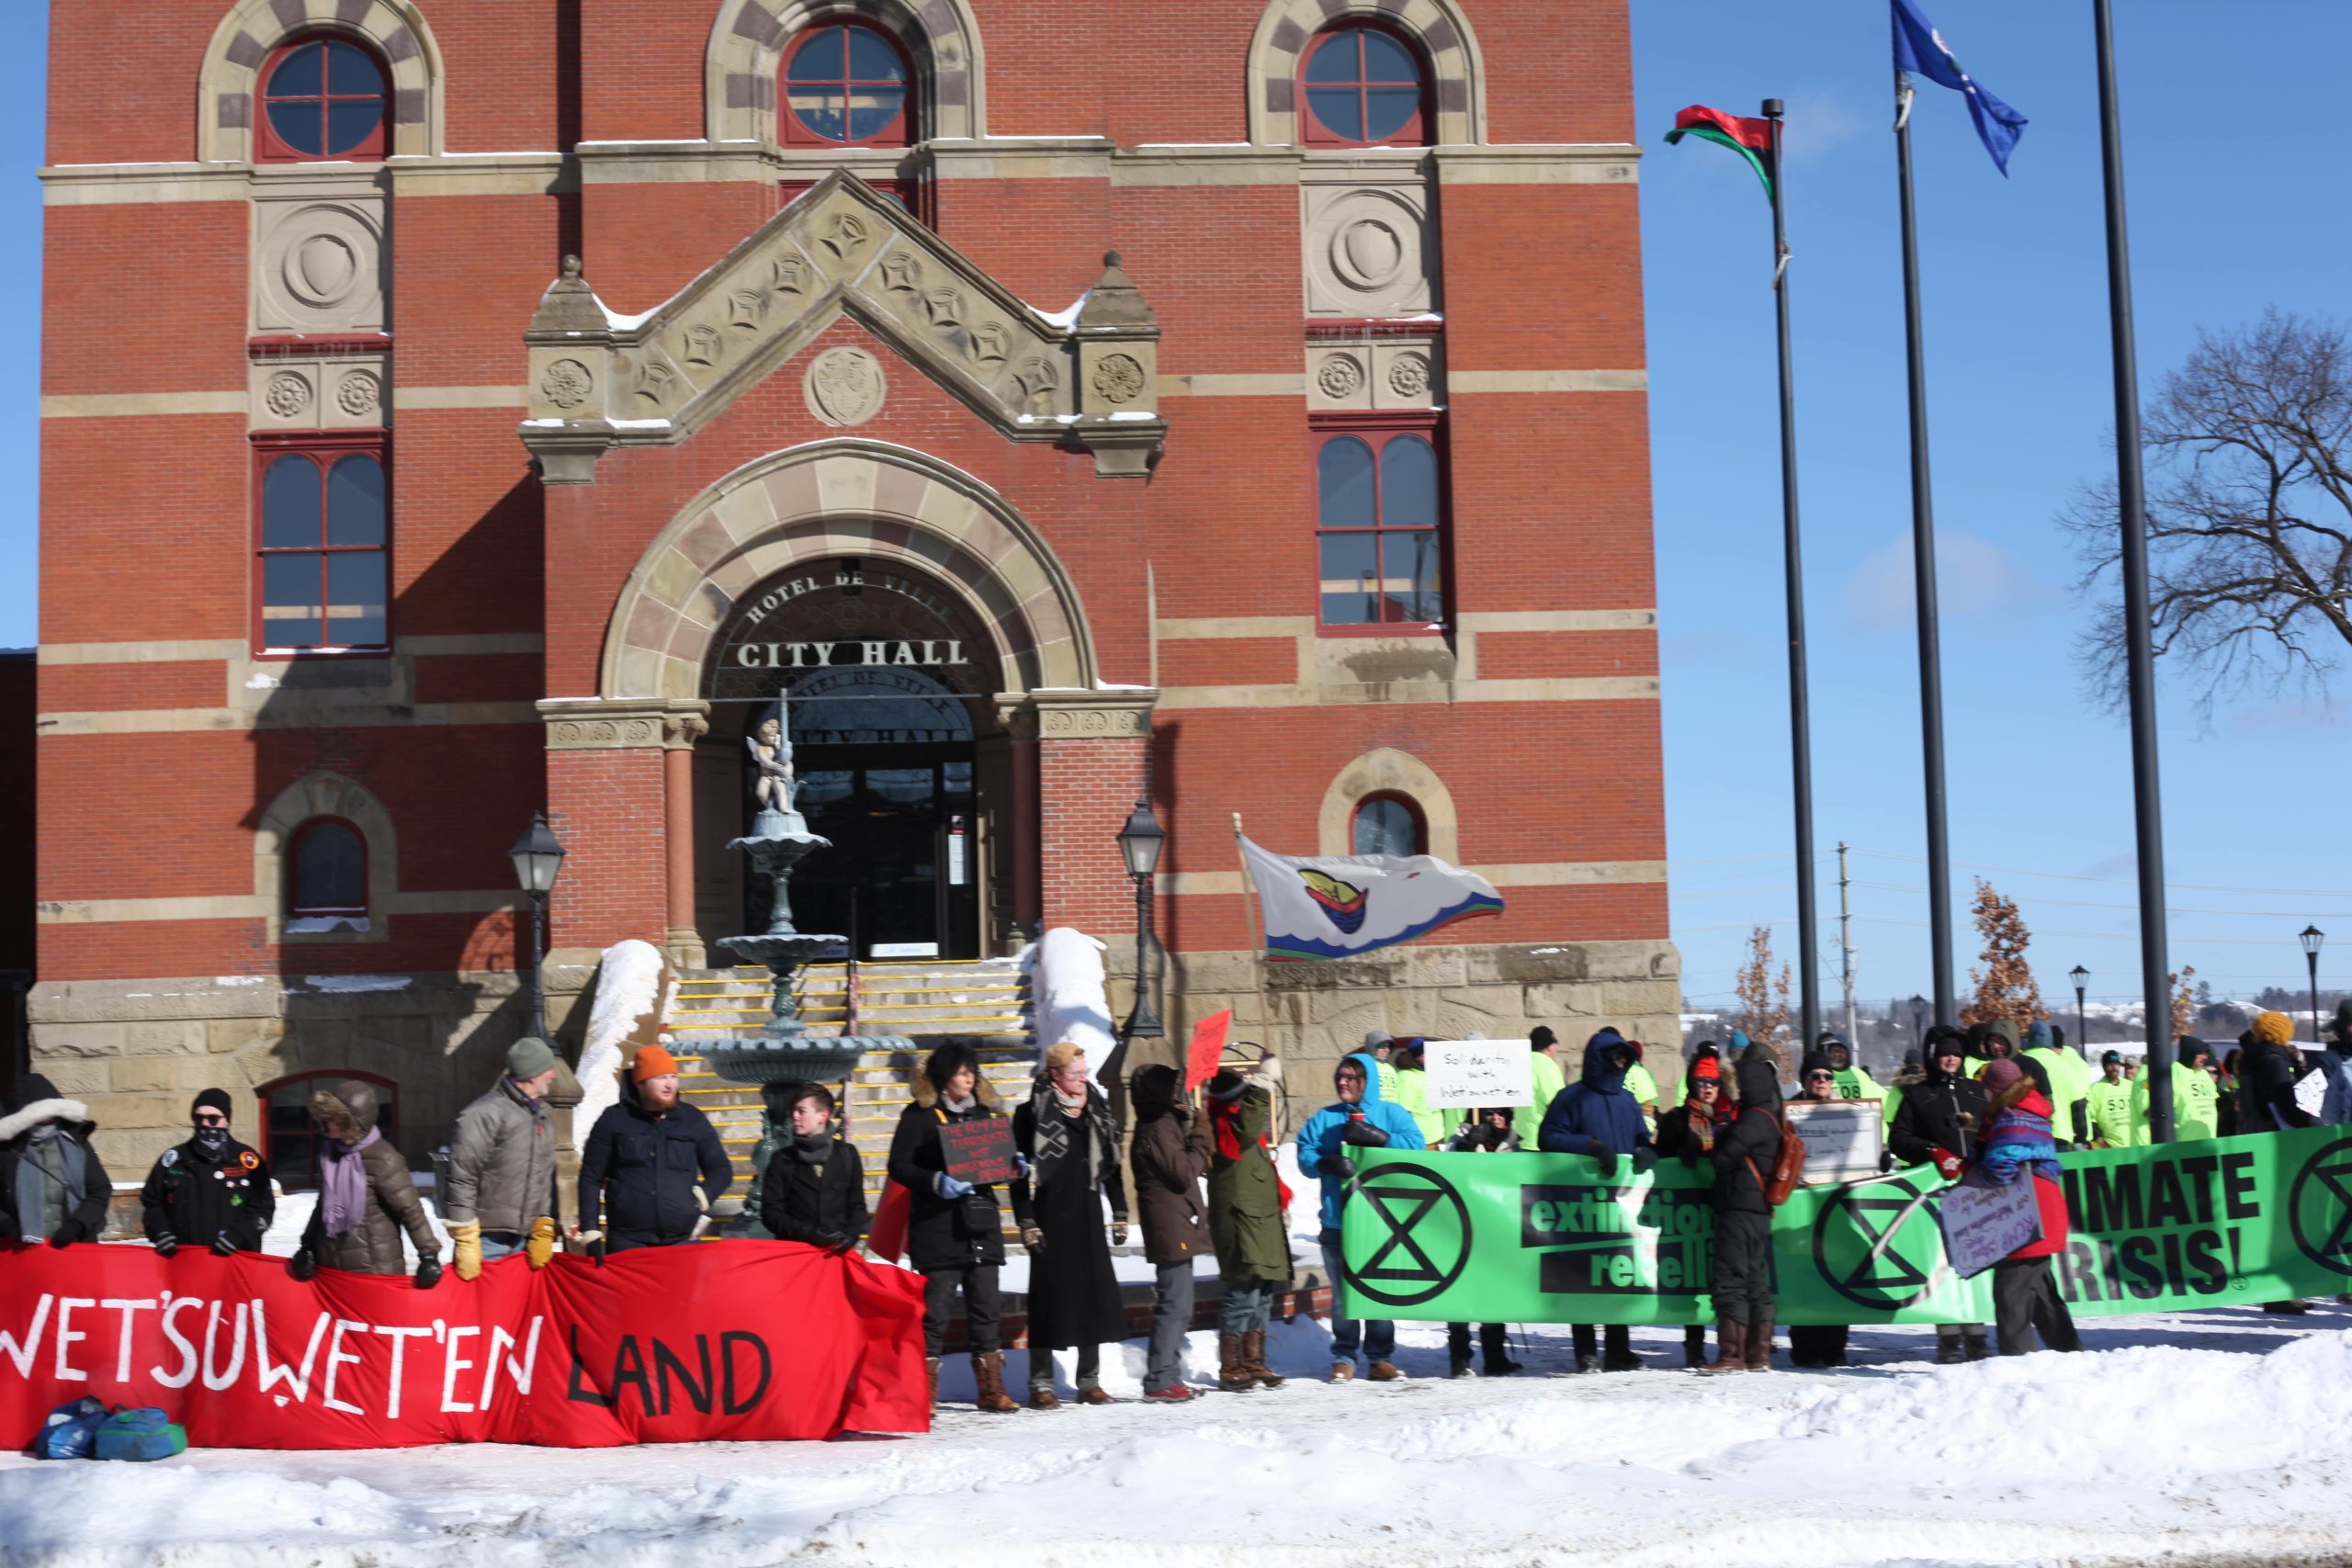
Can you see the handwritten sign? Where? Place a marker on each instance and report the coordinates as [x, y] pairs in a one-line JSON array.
[[1985, 1224], [2310, 1092], [1208, 1044], [1468, 1075], [979, 1151], [1841, 1137]]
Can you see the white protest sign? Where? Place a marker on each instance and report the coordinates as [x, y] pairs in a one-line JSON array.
[[1985, 1224], [2310, 1092], [1841, 1137], [1467, 1075]]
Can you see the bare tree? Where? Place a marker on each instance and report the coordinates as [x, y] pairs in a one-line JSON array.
[[2249, 515]]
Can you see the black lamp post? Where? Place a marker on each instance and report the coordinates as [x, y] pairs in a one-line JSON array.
[[537, 856], [2081, 976], [1919, 1020], [2311, 936], [1139, 844]]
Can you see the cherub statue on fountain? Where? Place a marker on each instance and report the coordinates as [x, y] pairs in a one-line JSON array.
[[773, 783]]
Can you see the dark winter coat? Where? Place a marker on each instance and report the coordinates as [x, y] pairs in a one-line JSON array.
[[37, 1100], [1747, 1150], [2267, 1076], [501, 1162], [1928, 1118], [821, 1202], [944, 1232], [1170, 1154], [1246, 1193], [639, 1170], [192, 1196], [373, 1246], [1596, 1111], [1073, 1290]]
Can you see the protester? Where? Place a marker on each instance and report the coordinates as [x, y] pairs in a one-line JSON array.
[[53, 1187], [1247, 1200], [1993, 1040], [1687, 1133], [1818, 1345], [1938, 1123], [955, 1230], [1413, 1093], [1545, 1078], [1170, 1154], [1487, 1132], [210, 1191], [2267, 1078], [2196, 1094], [2017, 1146], [1743, 1249], [2116, 1118], [2070, 1081], [653, 1165], [1359, 1119], [2336, 1110], [501, 1197], [2225, 1094], [814, 1189], [1852, 1082], [366, 1197], [1641, 1086], [1381, 1046], [1065, 1130], [1597, 1116]]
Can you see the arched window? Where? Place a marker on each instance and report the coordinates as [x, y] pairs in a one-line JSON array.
[[327, 876], [847, 85], [1376, 518], [288, 1140], [324, 576], [1389, 824], [322, 97], [1364, 86]]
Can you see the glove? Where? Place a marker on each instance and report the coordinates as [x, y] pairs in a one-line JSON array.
[[948, 1186], [1363, 1133], [302, 1265], [1021, 1166], [1118, 1234], [1947, 1164], [1604, 1156], [1644, 1157], [541, 1245], [1032, 1237], [166, 1243], [840, 1245], [68, 1232], [222, 1246], [428, 1273], [1340, 1165], [465, 1247], [1182, 1111]]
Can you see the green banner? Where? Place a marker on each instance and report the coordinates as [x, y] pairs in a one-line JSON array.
[[1544, 1238]]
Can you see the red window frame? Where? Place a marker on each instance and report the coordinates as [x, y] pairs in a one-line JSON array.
[[1414, 132], [292, 861], [1412, 809], [1376, 431], [387, 1118], [270, 147], [796, 132], [323, 447]]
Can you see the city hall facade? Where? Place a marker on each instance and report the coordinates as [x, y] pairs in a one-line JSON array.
[[1240, 403]]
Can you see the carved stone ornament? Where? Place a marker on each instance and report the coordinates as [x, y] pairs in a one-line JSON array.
[[702, 342], [603, 734], [567, 384], [844, 387], [1093, 724], [1037, 379], [844, 234], [358, 393], [1341, 377], [1409, 377], [287, 395], [1118, 378]]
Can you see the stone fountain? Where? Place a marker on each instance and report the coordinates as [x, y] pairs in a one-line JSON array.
[[783, 1055]]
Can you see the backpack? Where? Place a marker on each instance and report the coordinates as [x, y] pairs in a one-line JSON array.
[[70, 1430], [1788, 1164], [142, 1434]]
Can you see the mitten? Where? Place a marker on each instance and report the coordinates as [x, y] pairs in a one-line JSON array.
[[1363, 1133], [222, 1246], [428, 1272], [1644, 1157], [843, 1245], [541, 1245], [303, 1265], [166, 1243], [465, 1247], [1339, 1165], [69, 1232], [1604, 1156], [948, 1186], [1947, 1164]]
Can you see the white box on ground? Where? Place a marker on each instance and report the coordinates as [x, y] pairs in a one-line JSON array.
[[1841, 1137], [1468, 1075]]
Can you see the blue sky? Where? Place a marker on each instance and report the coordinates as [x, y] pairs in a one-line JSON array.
[[2237, 205]]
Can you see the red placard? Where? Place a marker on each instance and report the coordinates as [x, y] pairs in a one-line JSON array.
[[1208, 1044], [979, 1151]]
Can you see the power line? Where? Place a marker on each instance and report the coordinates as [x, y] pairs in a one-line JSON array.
[[2118, 881]]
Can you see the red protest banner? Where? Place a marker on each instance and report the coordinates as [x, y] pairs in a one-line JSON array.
[[1208, 1044], [735, 1340]]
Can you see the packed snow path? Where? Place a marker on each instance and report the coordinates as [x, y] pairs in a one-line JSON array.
[[2216, 1439]]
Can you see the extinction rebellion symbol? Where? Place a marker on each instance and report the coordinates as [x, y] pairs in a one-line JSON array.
[[2319, 1207], [1876, 1245], [1427, 1240]]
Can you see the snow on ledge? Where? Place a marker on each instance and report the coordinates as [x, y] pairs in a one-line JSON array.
[[1066, 983]]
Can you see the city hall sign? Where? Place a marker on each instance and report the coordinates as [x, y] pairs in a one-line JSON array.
[[838, 616]]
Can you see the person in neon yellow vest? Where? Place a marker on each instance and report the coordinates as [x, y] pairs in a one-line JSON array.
[[2118, 1119], [2196, 1098], [1545, 1080]]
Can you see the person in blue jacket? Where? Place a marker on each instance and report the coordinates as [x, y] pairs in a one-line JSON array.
[[1360, 1120], [1597, 1116]]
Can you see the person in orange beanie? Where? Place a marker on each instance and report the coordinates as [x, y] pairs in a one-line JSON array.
[[653, 1164]]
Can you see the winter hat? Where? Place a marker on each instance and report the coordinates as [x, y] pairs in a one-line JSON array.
[[1737, 1044], [651, 1062], [1814, 1062], [2189, 1048], [2273, 1028], [1706, 1069], [1827, 1038], [529, 1057], [2112, 1059], [1541, 1038], [1062, 1055], [1227, 1085], [2001, 1077], [2037, 1038], [211, 1100]]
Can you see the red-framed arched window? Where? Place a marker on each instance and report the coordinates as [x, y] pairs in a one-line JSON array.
[[322, 570], [324, 95], [1388, 824], [288, 1140], [1364, 87], [1380, 541], [847, 85], [326, 871]]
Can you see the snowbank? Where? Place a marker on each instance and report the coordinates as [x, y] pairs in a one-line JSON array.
[[1066, 987], [629, 986]]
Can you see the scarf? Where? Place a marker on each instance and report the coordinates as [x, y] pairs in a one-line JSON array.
[[812, 1148], [1701, 1119], [1051, 1132], [211, 1143], [959, 1107], [52, 1174], [343, 1183], [1225, 1117]]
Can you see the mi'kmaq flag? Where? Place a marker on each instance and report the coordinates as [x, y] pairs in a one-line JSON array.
[[1339, 905]]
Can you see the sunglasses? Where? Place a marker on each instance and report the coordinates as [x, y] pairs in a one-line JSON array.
[[1821, 1077], [211, 1119]]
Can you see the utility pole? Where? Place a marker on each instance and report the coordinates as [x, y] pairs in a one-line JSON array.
[[1846, 942]]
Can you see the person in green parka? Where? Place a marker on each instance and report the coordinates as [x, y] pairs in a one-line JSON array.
[[1246, 1203]]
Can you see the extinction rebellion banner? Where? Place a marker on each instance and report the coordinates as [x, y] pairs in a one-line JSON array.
[[729, 1340], [1544, 1238]]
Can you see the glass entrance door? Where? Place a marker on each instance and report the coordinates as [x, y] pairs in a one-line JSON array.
[[901, 880]]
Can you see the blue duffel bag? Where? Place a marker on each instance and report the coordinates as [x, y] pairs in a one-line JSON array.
[[141, 1435], [71, 1430]]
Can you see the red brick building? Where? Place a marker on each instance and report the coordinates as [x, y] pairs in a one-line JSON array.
[[1244, 397]]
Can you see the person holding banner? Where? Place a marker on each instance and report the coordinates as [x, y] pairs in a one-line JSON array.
[[1066, 1134], [210, 1191], [1824, 1344], [1488, 1133], [653, 1164], [2018, 1146], [1597, 1116], [1247, 1198], [1358, 1120], [1940, 1119], [1687, 1133], [814, 1189], [53, 1185], [1743, 1250], [366, 1196], [500, 1196], [955, 1229]]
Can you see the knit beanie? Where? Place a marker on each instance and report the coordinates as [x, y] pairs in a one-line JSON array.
[[212, 1099], [529, 1057], [2273, 1028], [2000, 1076], [651, 1062], [2037, 1038]]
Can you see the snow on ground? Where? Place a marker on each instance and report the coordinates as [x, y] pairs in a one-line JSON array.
[[2207, 1438]]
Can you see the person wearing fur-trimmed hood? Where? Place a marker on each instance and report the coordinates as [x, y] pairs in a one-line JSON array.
[[366, 1196], [53, 1187], [1065, 1130], [955, 1229]]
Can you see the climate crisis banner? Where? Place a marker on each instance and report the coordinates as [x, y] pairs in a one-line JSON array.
[[1545, 1239]]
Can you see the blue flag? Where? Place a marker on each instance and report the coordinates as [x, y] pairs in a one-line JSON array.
[[1918, 47]]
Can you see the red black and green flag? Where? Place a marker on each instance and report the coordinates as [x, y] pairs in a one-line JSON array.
[[1751, 139]]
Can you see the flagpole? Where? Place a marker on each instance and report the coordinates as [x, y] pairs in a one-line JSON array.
[[1799, 714], [1257, 928], [1923, 559], [2155, 978]]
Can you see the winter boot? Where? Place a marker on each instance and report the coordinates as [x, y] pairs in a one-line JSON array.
[[1974, 1345], [1343, 1371], [1457, 1350], [1232, 1364], [1756, 1348], [988, 1385], [1253, 1358], [931, 1367], [1694, 1346], [1495, 1348], [1731, 1347], [1042, 1397], [1385, 1371], [1619, 1355], [1950, 1352]]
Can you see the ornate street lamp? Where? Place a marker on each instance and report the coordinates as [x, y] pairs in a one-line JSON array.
[[537, 856], [1139, 844], [2081, 976], [2311, 936]]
